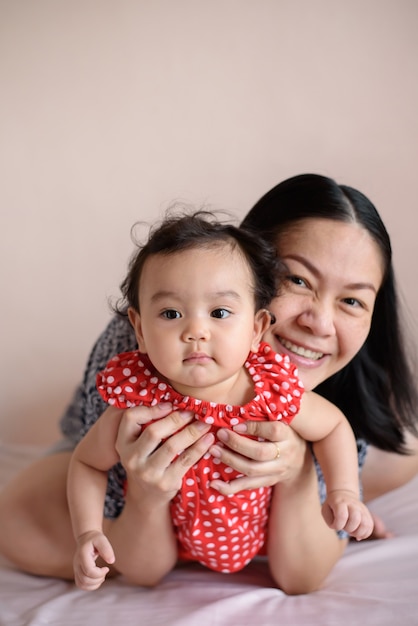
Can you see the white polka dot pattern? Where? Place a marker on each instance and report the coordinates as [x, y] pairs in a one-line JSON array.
[[222, 532]]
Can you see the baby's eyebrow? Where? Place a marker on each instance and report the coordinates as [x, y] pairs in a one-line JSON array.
[[159, 295], [230, 293], [173, 295]]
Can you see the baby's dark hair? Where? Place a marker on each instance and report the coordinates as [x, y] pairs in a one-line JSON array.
[[201, 229]]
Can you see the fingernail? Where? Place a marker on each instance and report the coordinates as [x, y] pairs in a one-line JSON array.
[[209, 438], [165, 406], [215, 451], [240, 428], [186, 415], [202, 425], [222, 434]]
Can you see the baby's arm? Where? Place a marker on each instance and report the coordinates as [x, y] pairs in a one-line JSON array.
[[335, 447], [86, 488]]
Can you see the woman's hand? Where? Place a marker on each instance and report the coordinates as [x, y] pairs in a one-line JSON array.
[[278, 455], [157, 457]]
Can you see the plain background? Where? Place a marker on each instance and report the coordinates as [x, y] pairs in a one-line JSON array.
[[109, 111]]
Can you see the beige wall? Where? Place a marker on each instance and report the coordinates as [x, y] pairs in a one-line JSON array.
[[110, 110]]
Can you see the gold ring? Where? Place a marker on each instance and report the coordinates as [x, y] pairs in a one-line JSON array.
[[278, 452]]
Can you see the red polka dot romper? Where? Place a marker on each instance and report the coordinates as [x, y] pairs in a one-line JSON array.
[[222, 532]]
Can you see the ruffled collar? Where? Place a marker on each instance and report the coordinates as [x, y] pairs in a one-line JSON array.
[[130, 379]]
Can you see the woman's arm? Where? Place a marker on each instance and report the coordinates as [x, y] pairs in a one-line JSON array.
[[301, 548]]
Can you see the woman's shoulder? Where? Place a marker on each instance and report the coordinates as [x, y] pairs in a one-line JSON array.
[[117, 337]]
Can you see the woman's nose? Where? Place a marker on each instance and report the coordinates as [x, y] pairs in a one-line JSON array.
[[319, 318]]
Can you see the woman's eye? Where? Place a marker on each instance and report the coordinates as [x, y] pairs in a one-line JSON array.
[[352, 302], [170, 314], [220, 313], [296, 280]]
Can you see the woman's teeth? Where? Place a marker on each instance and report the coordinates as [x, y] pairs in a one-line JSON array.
[[308, 354]]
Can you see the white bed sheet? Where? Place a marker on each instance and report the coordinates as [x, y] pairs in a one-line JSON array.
[[375, 583]]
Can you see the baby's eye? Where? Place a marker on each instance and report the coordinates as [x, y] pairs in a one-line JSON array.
[[170, 314], [220, 313]]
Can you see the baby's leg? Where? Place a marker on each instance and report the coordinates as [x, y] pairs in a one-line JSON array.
[[35, 525]]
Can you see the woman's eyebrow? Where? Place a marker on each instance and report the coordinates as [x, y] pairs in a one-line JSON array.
[[314, 270], [362, 286], [303, 261]]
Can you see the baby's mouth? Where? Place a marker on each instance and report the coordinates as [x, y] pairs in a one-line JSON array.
[[197, 357], [300, 351]]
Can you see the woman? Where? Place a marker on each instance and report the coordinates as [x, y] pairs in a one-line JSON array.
[[343, 333], [338, 313]]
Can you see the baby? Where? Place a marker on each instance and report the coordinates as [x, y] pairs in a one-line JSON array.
[[197, 294]]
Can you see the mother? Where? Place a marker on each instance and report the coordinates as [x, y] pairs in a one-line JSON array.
[[338, 319]]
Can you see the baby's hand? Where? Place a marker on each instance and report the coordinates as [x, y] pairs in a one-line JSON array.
[[90, 546], [343, 510]]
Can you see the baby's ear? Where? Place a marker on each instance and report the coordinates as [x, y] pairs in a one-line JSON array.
[[135, 319], [262, 321]]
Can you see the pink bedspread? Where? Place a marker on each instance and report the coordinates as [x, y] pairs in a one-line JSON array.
[[375, 583]]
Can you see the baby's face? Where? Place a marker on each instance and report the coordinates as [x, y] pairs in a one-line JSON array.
[[197, 320]]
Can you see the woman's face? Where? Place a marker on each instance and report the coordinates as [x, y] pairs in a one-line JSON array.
[[323, 314]]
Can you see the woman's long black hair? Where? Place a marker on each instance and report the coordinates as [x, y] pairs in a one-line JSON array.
[[376, 390]]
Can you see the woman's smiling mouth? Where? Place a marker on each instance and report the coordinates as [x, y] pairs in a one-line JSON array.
[[300, 351]]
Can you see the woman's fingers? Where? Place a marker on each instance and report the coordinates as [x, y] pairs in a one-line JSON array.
[[160, 455], [192, 455], [239, 463], [131, 435], [263, 452], [180, 443], [133, 419], [277, 454], [244, 482], [249, 448], [271, 441], [266, 430]]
